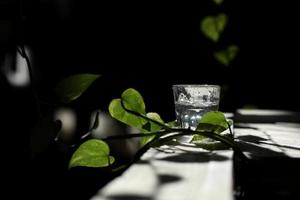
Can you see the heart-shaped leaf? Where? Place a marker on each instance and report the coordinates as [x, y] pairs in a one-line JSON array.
[[211, 122], [172, 124], [73, 86], [210, 128], [227, 55], [133, 100], [218, 2], [152, 127], [214, 118], [118, 112], [92, 153], [213, 26]]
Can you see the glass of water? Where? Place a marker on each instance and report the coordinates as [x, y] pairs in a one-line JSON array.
[[193, 101]]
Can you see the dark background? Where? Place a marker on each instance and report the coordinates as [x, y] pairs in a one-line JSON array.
[[148, 46]]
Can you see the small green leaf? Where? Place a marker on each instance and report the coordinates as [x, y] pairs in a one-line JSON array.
[[209, 145], [214, 118], [73, 86], [156, 117], [222, 57], [117, 111], [198, 137], [214, 122], [218, 2], [232, 51], [206, 127], [213, 26], [153, 127], [227, 55], [172, 124], [133, 100], [92, 153]]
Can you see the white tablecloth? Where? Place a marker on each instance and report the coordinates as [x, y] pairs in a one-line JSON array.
[[189, 173], [177, 173]]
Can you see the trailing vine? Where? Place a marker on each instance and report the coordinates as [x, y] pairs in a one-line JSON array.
[[130, 109]]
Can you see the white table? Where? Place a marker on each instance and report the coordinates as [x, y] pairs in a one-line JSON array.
[[188, 173], [177, 172]]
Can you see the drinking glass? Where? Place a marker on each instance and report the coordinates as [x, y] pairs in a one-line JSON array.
[[193, 101]]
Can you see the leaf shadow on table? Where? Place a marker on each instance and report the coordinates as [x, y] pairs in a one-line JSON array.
[[256, 147], [167, 178], [259, 140], [162, 179], [192, 153]]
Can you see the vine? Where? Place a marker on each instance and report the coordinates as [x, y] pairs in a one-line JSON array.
[[130, 109]]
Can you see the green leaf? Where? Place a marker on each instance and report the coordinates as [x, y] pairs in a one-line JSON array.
[[227, 55], [133, 100], [92, 153], [156, 117], [152, 127], [73, 86], [213, 26], [198, 137], [172, 124], [117, 111], [214, 118], [214, 122], [209, 145], [206, 127], [232, 51], [218, 2]]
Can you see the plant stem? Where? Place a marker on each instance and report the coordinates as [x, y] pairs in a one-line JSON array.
[[135, 135], [230, 131], [211, 135], [181, 132], [145, 117]]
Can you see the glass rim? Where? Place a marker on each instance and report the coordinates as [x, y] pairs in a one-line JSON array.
[[196, 85]]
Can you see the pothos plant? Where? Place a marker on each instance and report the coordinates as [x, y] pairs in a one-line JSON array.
[[130, 109]]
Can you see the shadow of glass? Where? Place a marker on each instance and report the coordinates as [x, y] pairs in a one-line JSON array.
[[162, 179]]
